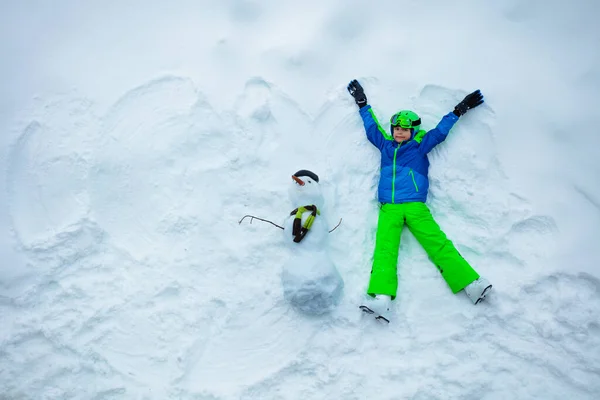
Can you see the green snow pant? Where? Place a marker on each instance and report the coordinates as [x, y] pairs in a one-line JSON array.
[[384, 278]]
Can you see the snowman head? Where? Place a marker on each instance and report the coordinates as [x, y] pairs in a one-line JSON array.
[[305, 190]]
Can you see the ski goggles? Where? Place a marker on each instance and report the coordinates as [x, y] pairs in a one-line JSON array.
[[404, 122]]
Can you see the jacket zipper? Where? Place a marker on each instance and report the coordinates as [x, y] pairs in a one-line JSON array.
[[394, 177], [412, 174]]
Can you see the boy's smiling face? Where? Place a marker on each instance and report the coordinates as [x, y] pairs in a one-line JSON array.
[[401, 134]]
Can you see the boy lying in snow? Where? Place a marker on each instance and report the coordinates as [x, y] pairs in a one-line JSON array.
[[402, 192]]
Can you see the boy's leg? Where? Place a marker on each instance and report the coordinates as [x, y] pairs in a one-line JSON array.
[[384, 276], [454, 268]]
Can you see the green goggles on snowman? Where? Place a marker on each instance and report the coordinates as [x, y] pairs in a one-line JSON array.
[[406, 119]]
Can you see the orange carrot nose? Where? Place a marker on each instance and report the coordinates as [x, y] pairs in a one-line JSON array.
[[298, 180]]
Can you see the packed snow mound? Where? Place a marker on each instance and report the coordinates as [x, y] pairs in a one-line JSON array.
[[311, 283]]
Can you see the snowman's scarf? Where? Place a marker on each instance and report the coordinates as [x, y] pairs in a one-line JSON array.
[[299, 230]]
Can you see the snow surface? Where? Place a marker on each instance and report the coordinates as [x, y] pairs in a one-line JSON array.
[[136, 134]]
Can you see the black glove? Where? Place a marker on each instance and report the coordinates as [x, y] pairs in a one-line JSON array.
[[358, 93], [471, 101]]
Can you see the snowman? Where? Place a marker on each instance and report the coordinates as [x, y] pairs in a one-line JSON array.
[[311, 282]]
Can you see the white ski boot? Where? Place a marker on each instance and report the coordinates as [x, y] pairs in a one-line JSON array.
[[478, 289], [379, 306]]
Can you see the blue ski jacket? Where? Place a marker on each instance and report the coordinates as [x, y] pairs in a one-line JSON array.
[[404, 166]]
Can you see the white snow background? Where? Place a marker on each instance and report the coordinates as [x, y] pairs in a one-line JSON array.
[[136, 134]]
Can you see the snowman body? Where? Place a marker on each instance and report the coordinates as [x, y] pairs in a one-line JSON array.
[[310, 280]]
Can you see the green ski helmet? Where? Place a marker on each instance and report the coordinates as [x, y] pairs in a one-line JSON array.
[[406, 119]]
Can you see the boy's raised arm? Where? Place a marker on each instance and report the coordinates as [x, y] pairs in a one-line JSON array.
[[375, 133], [440, 132]]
